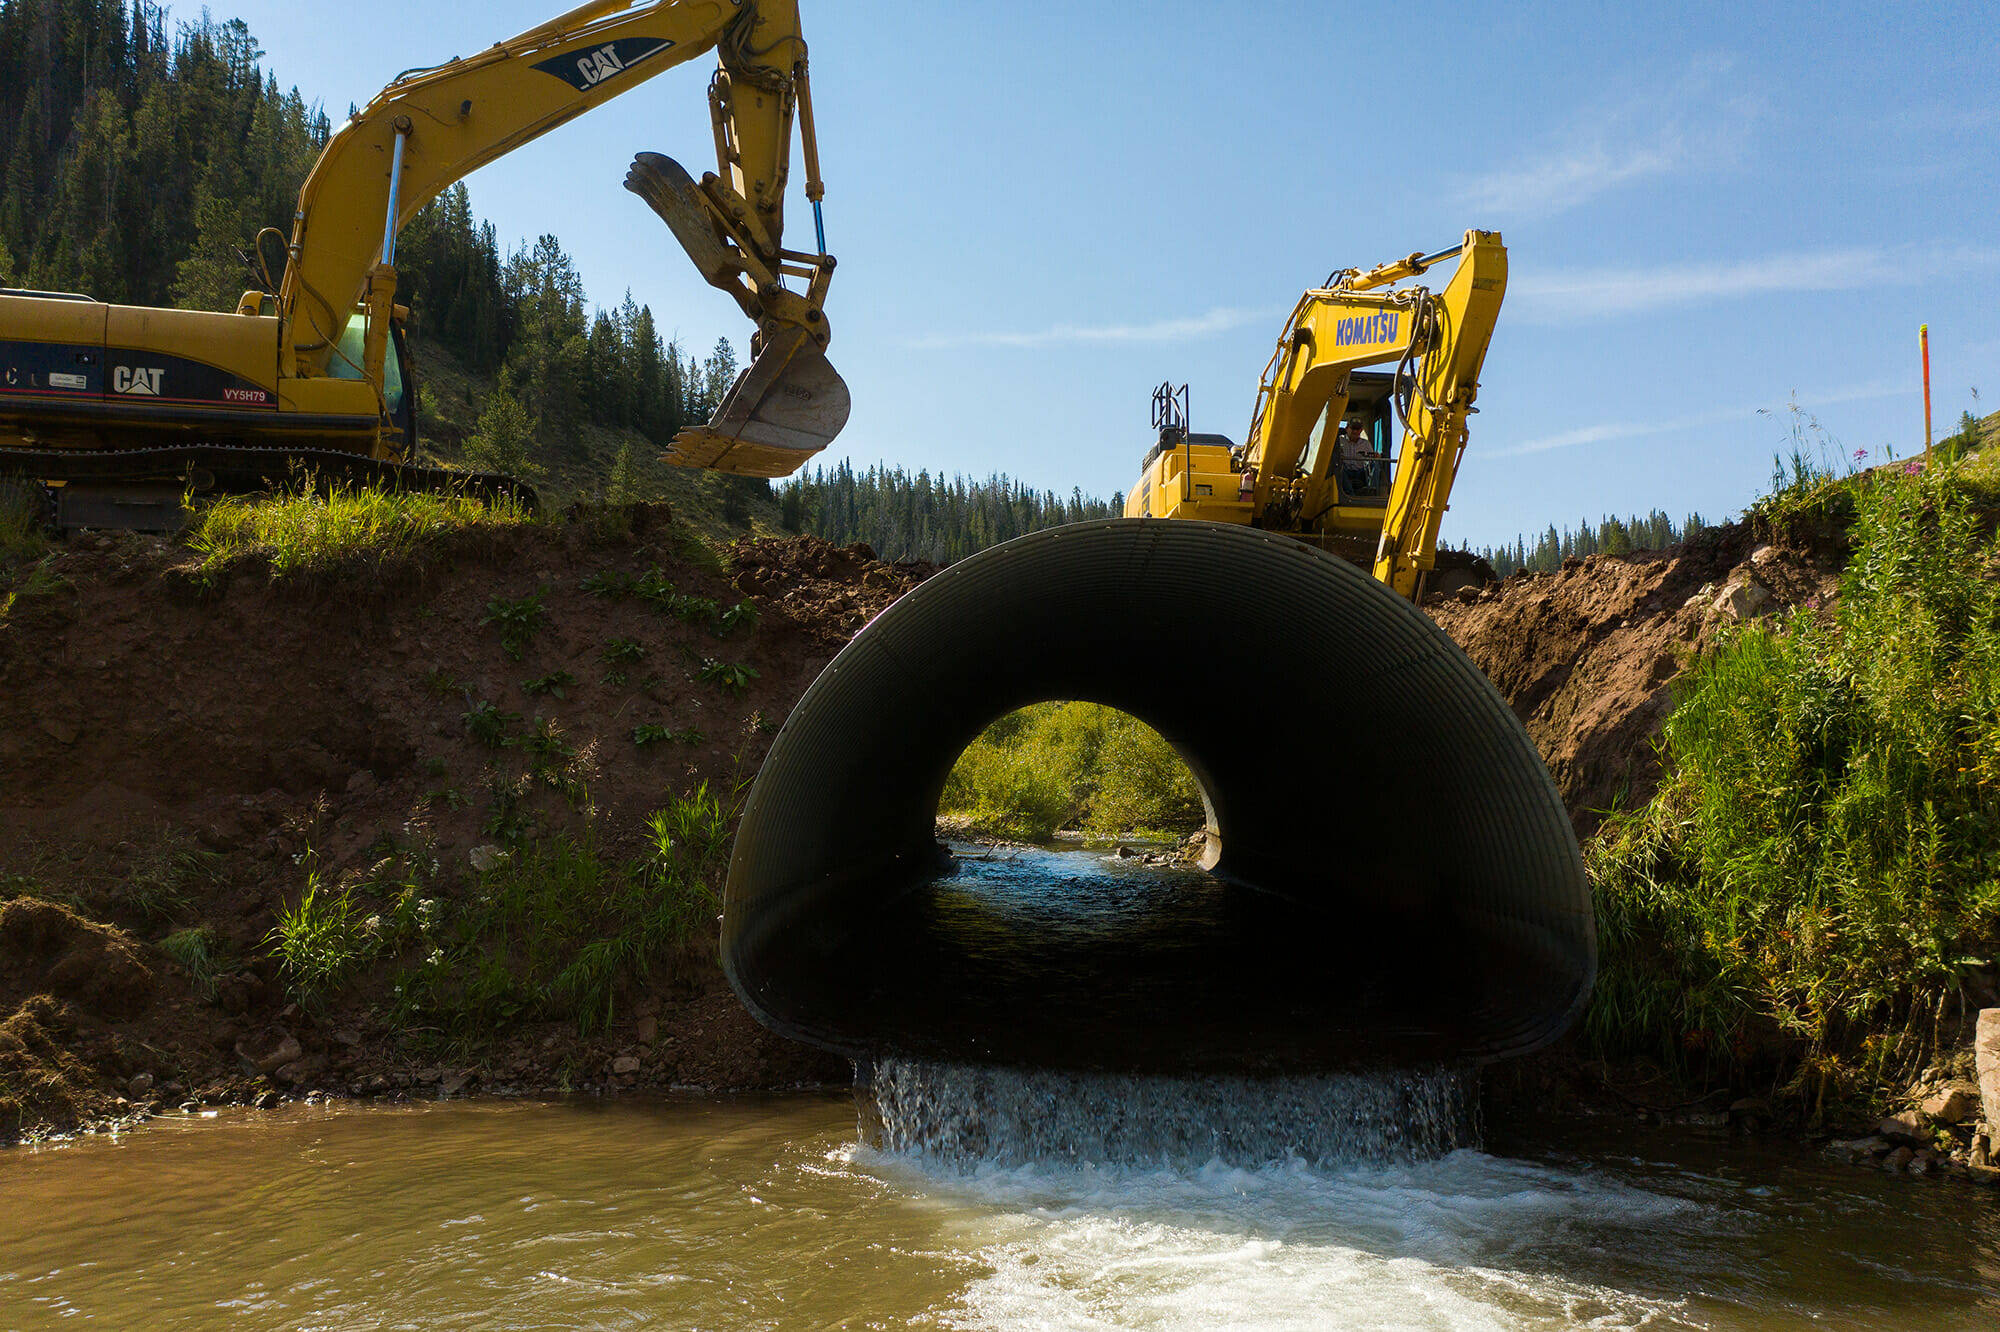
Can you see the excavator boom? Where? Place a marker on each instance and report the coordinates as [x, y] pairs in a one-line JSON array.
[[120, 401]]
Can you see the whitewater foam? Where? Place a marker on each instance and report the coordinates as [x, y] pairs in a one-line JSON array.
[[969, 1113]]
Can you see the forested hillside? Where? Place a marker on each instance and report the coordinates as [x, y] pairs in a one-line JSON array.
[[1611, 536], [925, 517], [144, 155]]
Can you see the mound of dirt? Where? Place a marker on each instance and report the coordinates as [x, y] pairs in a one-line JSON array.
[[1587, 656], [176, 752]]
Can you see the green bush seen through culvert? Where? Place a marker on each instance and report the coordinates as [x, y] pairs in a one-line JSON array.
[[1076, 766]]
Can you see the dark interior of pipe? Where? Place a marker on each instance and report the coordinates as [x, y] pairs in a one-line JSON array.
[[1397, 881]]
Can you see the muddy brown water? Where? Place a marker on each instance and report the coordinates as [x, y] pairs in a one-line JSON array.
[[766, 1213], [770, 1213]]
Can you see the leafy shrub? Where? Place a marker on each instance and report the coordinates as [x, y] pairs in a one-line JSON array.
[[609, 583], [555, 683], [743, 615], [519, 621], [733, 679], [491, 727], [1822, 853], [1072, 765], [558, 928]]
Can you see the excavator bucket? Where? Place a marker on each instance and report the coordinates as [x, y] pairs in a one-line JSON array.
[[785, 408], [790, 403]]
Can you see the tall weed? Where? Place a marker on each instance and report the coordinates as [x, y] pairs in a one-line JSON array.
[[1823, 854], [318, 942]]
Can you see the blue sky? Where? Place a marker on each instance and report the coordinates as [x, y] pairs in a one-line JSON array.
[[1042, 210]]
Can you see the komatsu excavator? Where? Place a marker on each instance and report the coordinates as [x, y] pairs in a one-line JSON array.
[[1316, 464], [120, 410]]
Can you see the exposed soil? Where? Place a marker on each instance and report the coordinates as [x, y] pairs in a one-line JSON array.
[[170, 750], [1587, 655]]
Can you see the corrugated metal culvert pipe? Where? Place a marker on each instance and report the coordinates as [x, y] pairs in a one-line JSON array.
[[1397, 884]]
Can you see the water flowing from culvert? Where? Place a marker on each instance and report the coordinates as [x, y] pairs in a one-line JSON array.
[[1096, 937], [759, 1214], [970, 1114]]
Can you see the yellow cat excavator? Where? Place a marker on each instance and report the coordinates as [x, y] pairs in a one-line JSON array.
[[120, 410], [1317, 464]]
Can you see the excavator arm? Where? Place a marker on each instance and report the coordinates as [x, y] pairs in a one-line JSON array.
[[431, 127]]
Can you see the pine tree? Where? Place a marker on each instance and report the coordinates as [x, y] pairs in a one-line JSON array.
[[505, 437], [623, 487]]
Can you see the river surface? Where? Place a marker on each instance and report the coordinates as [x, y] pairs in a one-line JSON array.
[[767, 1213]]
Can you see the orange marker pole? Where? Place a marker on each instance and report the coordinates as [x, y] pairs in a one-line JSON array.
[[1924, 341]]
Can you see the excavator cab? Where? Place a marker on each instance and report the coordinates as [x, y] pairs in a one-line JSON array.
[[1359, 476], [398, 402]]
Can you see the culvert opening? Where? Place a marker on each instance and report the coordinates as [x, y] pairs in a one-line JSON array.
[[1071, 768], [1395, 883]]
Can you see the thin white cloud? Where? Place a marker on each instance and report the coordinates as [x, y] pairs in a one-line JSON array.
[[1621, 430], [1562, 295], [1682, 127], [1218, 320], [1575, 174]]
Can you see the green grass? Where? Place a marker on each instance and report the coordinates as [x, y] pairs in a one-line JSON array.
[[162, 877], [1084, 766], [319, 942], [1822, 860], [198, 953], [309, 535], [24, 533], [36, 580], [555, 931]]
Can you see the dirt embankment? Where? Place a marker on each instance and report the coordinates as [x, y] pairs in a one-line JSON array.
[[172, 753], [1587, 655]]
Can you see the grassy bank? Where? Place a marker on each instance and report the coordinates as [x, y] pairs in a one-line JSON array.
[[1072, 766], [550, 928], [1816, 885]]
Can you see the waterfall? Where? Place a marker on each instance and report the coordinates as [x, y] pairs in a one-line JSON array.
[[1005, 1116]]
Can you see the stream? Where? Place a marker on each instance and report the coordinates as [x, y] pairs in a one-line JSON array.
[[766, 1213], [1000, 1201]]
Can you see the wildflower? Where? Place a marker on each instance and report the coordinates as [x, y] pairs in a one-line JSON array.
[[1913, 468], [1859, 454]]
